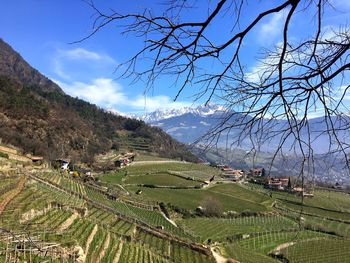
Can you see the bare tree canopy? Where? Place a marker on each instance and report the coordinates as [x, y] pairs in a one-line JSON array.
[[294, 78]]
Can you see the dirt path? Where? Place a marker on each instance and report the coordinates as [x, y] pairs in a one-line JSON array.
[[168, 219], [9, 196], [219, 258], [105, 247], [80, 254], [119, 252], [283, 246], [68, 222], [90, 238], [32, 213], [156, 162]]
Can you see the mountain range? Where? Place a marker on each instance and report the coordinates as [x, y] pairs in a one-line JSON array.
[[189, 125], [38, 117]]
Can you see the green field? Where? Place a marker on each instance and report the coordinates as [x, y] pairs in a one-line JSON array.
[[160, 179], [113, 177], [245, 255], [231, 197], [251, 223], [151, 167], [319, 250], [221, 229]]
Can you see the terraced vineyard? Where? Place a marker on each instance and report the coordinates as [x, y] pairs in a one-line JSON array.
[[70, 221], [152, 218], [83, 223], [223, 229], [319, 250]]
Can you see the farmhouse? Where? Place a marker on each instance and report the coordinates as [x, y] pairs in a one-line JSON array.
[[62, 164], [125, 160], [302, 191], [232, 174], [257, 172], [278, 183]]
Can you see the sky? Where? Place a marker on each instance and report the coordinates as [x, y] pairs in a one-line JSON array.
[[42, 30]]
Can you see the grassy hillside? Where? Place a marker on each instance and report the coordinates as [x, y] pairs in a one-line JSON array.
[[38, 117], [244, 222]]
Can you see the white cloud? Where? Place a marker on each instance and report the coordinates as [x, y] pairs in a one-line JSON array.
[[272, 28], [156, 102], [102, 91], [63, 58], [109, 94], [83, 54], [58, 69]]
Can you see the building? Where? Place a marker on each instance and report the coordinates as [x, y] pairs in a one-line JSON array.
[[278, 183], [232, 174], [302, 191], [63, 164], [257, 172], [125, 160]]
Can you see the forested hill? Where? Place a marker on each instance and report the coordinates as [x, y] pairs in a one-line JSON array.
[[37, 116]]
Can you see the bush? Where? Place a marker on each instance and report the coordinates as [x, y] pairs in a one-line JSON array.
[[132, 124], [212, 207], [4, 155], [115, 146], [148, 185]]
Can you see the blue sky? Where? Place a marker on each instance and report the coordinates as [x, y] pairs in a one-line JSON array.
[[40, 31]]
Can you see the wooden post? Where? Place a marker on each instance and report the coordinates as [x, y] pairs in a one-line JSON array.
[[7, 246]]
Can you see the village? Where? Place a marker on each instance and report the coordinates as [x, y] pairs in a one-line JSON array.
[[124, 159], [155, 198], [259, 176]]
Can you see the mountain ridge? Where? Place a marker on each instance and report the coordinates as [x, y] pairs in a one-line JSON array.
[[160, 114], [13, 65], [193, 124], [37, 116]]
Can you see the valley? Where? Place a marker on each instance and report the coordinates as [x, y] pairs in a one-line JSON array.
[[175, 131], [160, 211]]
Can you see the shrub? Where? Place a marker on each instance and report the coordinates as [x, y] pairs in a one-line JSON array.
[[132, 124], [4, 155], [211, 206]]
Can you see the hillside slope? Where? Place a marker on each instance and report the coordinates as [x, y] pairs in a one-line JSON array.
[[37, 116]]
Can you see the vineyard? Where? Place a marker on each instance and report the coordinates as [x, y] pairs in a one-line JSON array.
[[223, 229], [56, 217], [61, 215]]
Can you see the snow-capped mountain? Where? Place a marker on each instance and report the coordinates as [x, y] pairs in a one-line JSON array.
[[201, 111], [187, 125]]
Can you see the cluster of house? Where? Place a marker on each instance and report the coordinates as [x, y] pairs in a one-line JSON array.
[[238, 174], [284, 184], [273, 183], [125, 160], [232, 174], [280, 183]]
